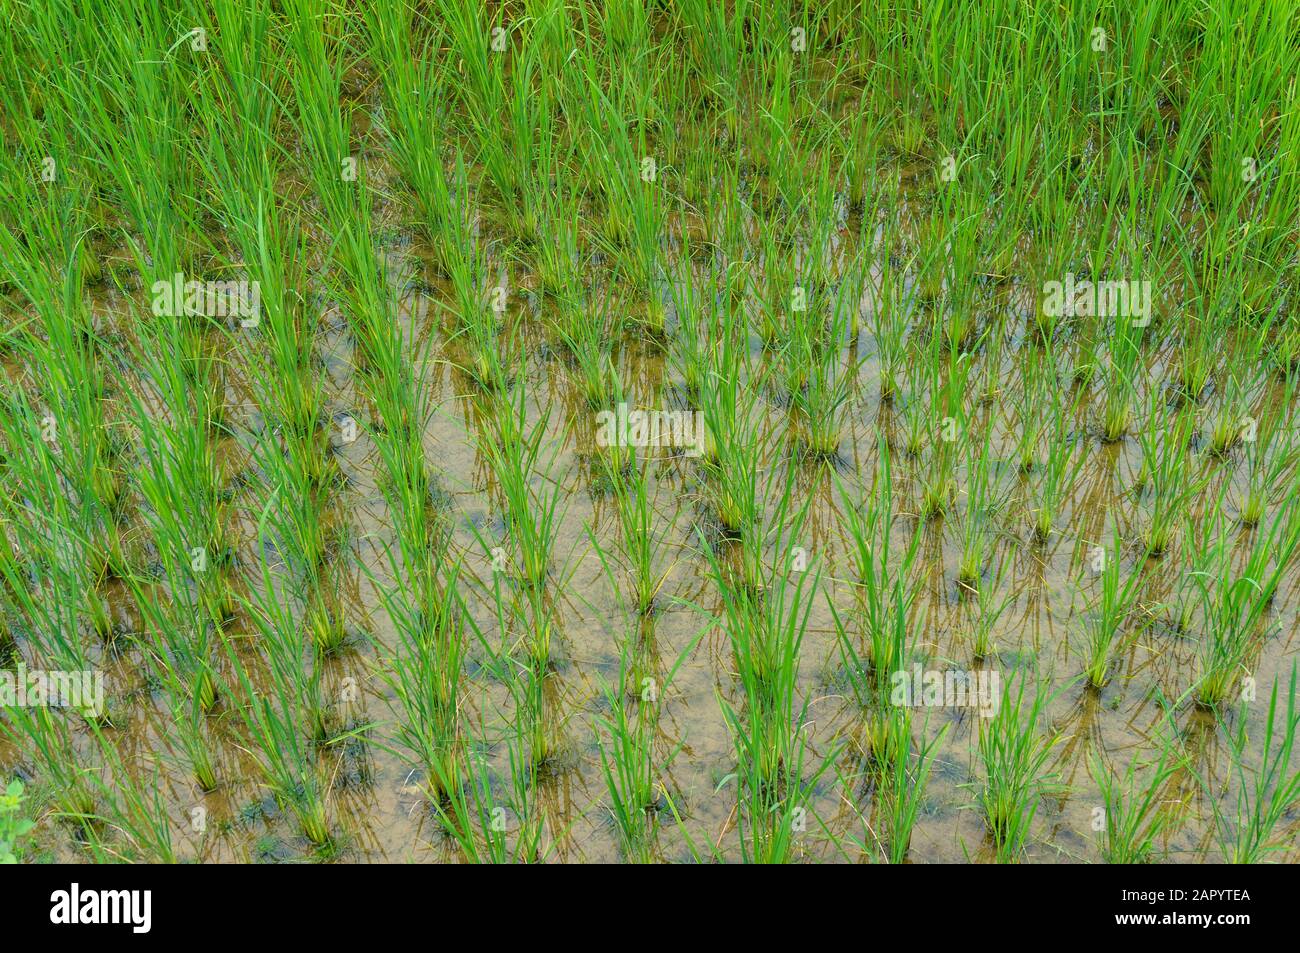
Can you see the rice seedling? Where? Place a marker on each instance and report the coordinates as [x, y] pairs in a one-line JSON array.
[[427, 677], [1124, 354], [287, 719], [891, 310], [1013, 750], [988, 611], [1271, 454], [1247, 831], [1111, 613], [133, 824], [491, 826], [734, 446], [52, 745], [942, 414], [52, 589], [980, 501], [519, 459], [590, 339], [633, 770], [629, 766], [1056, 474], [885, 585], [1133, 815], [825, 381], [1166, 465], [1234, 604], [905, 785], [640, 554]]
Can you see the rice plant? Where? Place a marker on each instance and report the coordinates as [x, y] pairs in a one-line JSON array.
[[1013, 749], [1247, 831], [1133, 816], [1111, 613]]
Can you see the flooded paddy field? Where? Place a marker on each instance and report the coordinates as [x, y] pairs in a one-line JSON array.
[[642, 432]]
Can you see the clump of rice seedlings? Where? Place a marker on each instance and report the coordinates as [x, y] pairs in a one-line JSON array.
[[1124, 354], [1134, 818], [765, 627], [530, 677], [277, 350], [533, 688], [715, 38], [779, 314], [532, 114], [314, 553], [696, 310], [1229, 422], [890, 312], [858, 139], [132, 813], [1265, 796], [589, 335], [480, 323], [414, 84], [489, 95], [734, 442], [629, 768], [773, 811], [959, 271], [52, 587], [769, 735], [1110, 614], [185, 514], [472, 816], [74, 383], [285, 716], [633, 770], [533, 499], [1202, 327], [944, 414], [902, 787], [628, 176], [487, 823], [917, 424], [1166, 462], [426, 674], [1271, 454], [131, 133], [639, 552], [47, 735], [291, 449], [828, 375], [884, 581], [470, 813], [1013, 750], [988, 611], [408, 486], [765, 614], [1056, 475], [1032, 413], [179, 651], [559, 251], [1234, 605], [490, 825], [979, 503]]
